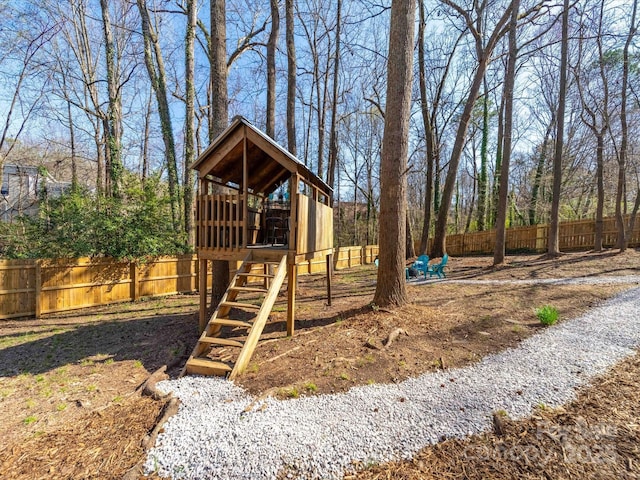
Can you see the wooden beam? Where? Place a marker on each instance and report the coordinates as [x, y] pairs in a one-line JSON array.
[[245, 188], [222, 151], [292, 272], [202, 287], [329, 277], [293, 211]]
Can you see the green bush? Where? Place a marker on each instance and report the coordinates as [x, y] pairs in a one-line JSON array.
[[547, 315], [80, 224]]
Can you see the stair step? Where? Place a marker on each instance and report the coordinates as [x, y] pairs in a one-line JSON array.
[[205, 366], [231, 323], [250, 274], [249, 289], [221, 341], [250, 306]]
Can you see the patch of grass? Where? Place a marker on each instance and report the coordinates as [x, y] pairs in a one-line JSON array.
[[311, 387], [61, 407], [371, 381], [293, 392], [402, 364], [30, 419], [30, 403], [137, 364], [117, 399], [547, 315], [344, 376], [109, 361], [46, 392], [87, 362], [6, 392], [91, 388]]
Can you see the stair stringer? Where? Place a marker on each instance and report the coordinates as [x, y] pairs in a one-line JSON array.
[[261, 319]]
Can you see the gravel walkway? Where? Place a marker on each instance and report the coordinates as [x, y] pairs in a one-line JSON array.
[[327, 435], [595, 280]]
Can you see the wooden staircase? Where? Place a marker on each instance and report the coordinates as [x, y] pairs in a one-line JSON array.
[[214, 355]]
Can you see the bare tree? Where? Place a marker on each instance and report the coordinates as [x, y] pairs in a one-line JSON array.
[[218, 99], [623, 240], [596, 116], [218, 117], [501, 217], [272, 45], [190, 117], [154, 62], [390, 287], [483, 53], [113, 120], [553, 243], [333, 135], [291, 77]]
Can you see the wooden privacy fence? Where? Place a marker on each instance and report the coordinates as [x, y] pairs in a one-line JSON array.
[[37, 287], [573, 236]]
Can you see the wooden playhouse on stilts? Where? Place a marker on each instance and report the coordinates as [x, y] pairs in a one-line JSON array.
[[259, 205]]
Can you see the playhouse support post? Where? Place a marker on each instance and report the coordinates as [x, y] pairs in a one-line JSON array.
[[202, 287], [329, 277], [292, 273]]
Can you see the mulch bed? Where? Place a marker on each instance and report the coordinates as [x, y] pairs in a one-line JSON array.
[[595, 437]]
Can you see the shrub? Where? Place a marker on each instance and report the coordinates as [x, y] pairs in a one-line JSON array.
[[81, 223], [547, 315]]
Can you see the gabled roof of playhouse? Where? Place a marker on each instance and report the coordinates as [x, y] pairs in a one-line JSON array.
[[268, 164]]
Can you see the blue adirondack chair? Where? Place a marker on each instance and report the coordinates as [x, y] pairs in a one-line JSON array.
[[422, 264], [438, 269]]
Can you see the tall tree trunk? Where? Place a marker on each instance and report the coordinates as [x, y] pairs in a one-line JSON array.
[[291, 77], [154, 62], [499, 153], [483, 177], [410, 250], [600, 187], [553, 244], [428, 133], [113, 121], [390, 287], [333, 136], [190, 117], [146, 139], [499, 247], [218, 118], [272, 45], [218, 110], [623, 239], [537, 180]]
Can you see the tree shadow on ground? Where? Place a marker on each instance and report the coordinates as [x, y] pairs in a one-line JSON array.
[[152, 340]]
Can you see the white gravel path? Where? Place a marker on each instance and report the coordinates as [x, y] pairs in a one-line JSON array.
[[595, 280], [325, 436]]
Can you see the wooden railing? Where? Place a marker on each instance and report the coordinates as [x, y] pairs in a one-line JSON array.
[[220, 222]]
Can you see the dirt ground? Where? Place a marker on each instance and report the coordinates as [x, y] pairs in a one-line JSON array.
[[68, 401]]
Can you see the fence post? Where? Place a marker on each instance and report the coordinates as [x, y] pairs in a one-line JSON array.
[[195, 280], [38, 286], [133, 274]]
